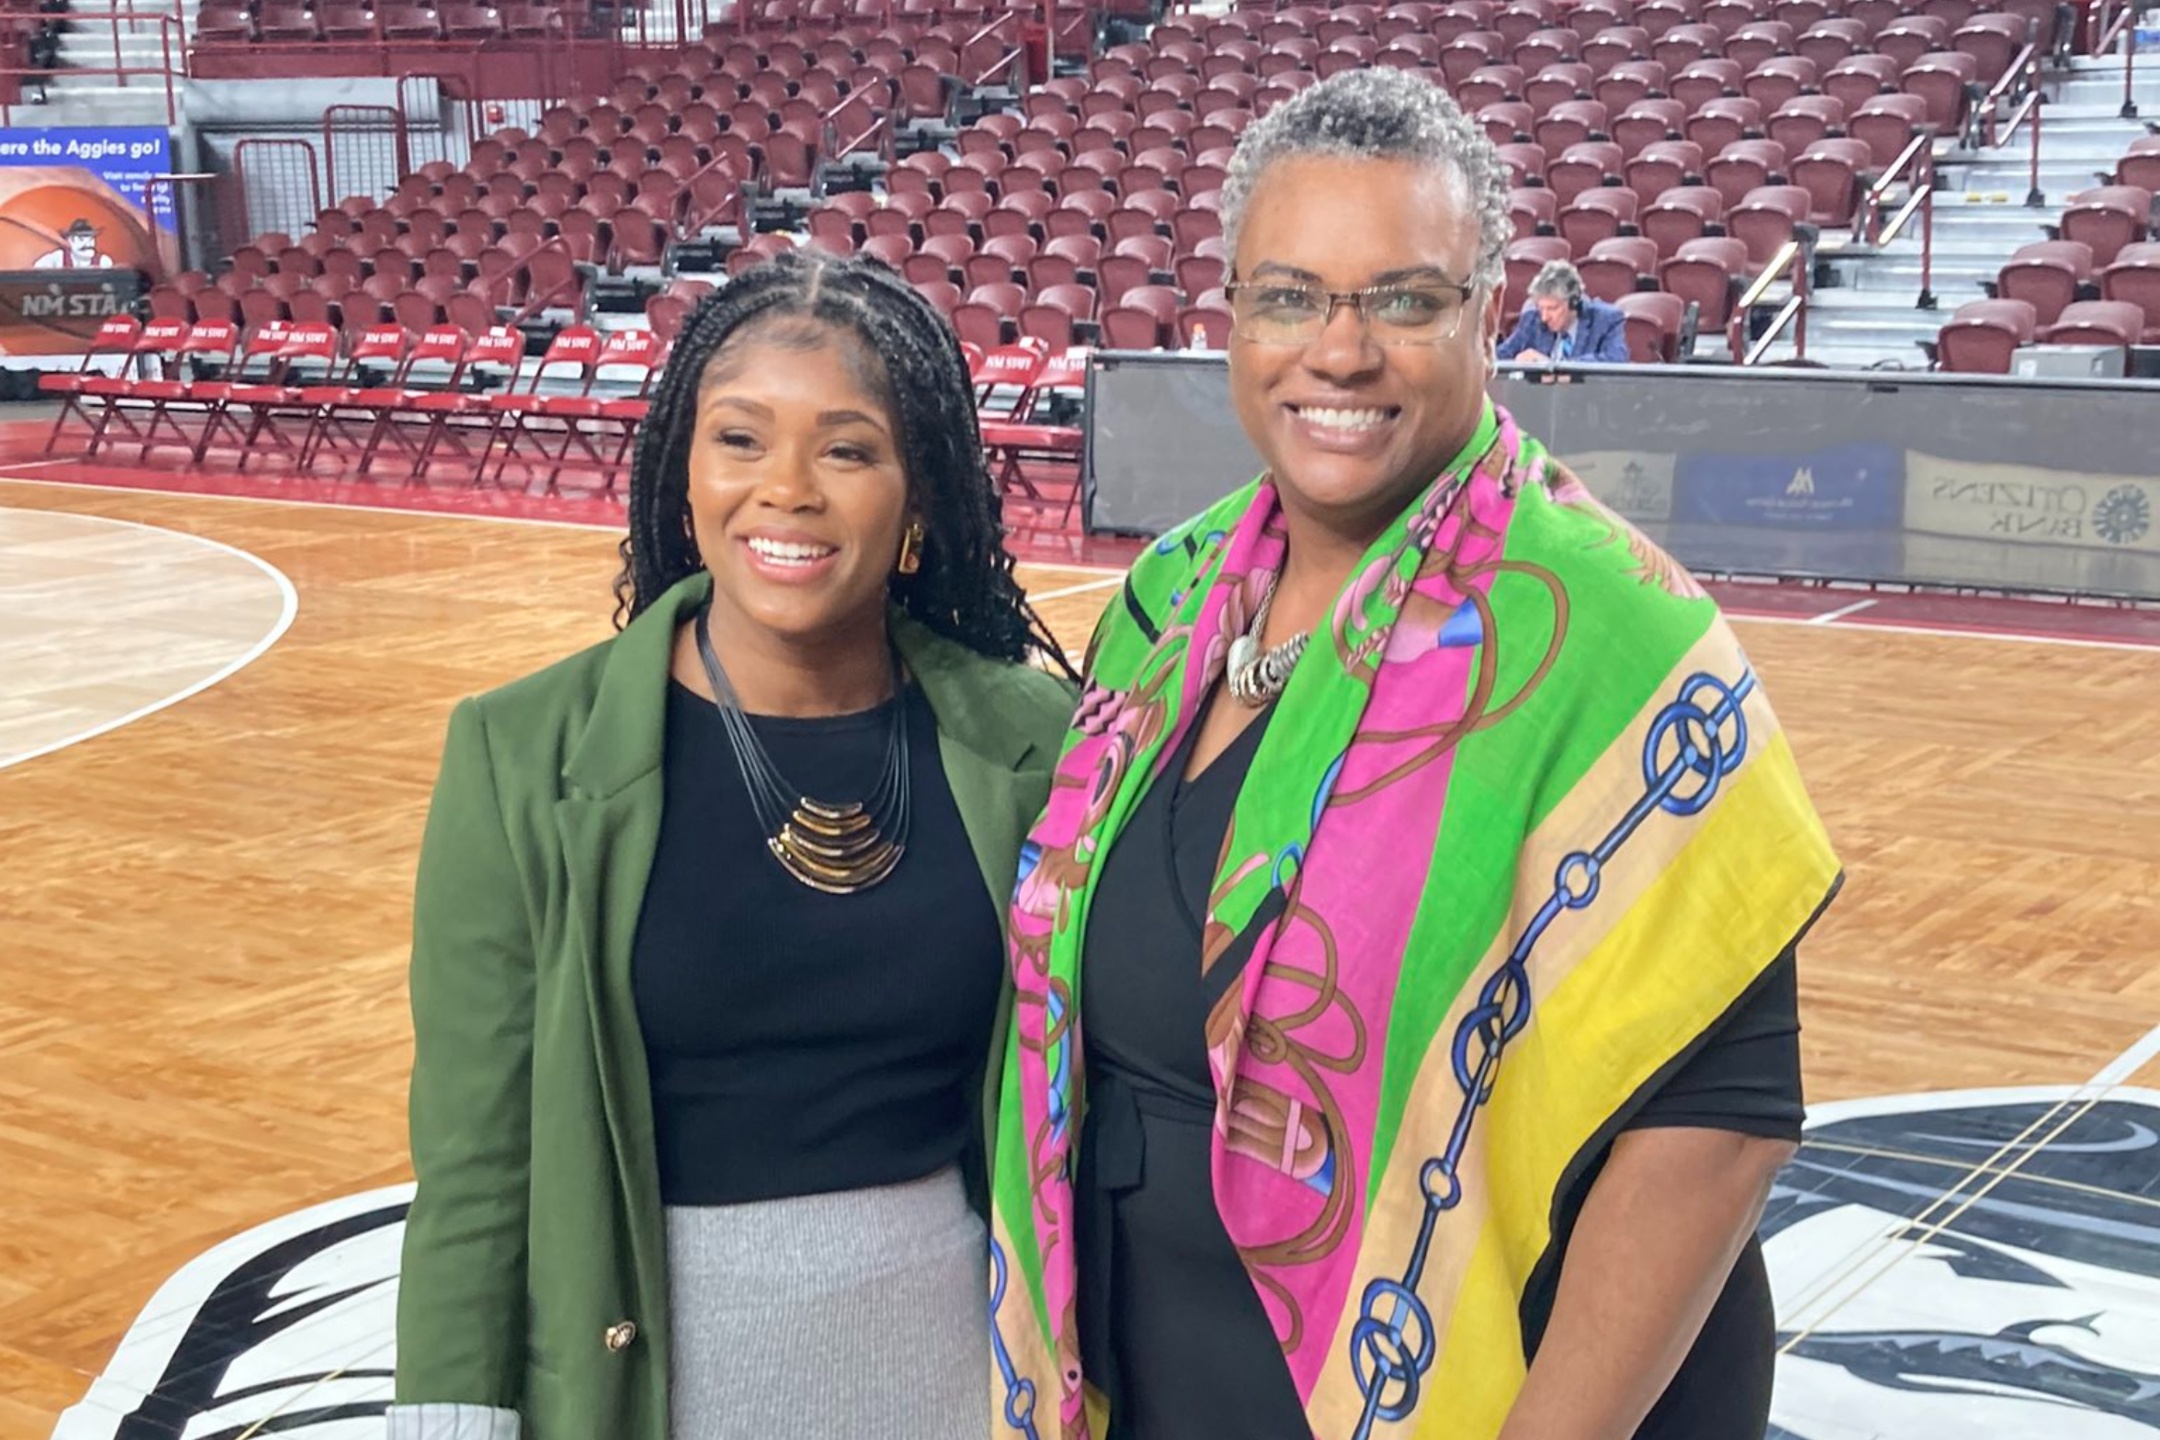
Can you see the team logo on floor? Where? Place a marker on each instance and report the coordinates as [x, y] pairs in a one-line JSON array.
[[1974, 1265], [1984, 1265]]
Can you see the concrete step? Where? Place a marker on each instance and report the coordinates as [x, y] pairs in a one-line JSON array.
[[96, 53], [129, 107], [2055, 179], [1900, 282]]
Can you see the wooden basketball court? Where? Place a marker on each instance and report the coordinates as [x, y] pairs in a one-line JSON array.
[[203, 910]]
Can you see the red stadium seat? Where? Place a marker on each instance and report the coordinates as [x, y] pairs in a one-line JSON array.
[[1590, 165], [1745, 165], [2134, 279], [1834, 172], [2046, 275], [1599, 215], [1943, 79], [1994, 42], [2107, 219], [1717, 125], [2097, 322], [1805, 119], [1618, 266], [1667, 165], [1775, 81], [1710, 274], [1831, 41], [1982, 336], [1680, 215], [2140, 165], [1767, 218], [1656, 323]]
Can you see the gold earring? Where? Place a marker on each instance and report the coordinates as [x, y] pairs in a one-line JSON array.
[[911, 545]]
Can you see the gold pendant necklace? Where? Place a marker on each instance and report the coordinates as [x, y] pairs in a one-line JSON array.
[[835, 849]]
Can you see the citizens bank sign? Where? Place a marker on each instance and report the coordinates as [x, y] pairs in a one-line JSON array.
[[2021, 506]]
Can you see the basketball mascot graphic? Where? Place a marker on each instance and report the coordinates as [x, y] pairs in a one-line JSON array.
[[1982, 1265]]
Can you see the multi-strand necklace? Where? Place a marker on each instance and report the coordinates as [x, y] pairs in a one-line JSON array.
[[1256, 676], [836, 848]]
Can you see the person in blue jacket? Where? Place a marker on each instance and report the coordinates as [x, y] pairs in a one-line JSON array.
[[1562, 323]]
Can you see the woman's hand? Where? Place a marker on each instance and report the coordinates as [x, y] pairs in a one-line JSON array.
[[1651, 1251]]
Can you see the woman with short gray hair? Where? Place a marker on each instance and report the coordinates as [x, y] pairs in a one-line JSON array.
[[1434, 863]]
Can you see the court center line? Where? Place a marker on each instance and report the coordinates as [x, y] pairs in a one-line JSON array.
[[288, 608], [1831, 617]]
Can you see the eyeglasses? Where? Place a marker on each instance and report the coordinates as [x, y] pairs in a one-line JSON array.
[[1287, 313]]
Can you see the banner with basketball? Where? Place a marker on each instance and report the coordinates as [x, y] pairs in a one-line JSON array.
[[77, 243]]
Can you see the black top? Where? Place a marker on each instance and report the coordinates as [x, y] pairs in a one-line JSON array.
[[1171, 1326], [800, 1042]]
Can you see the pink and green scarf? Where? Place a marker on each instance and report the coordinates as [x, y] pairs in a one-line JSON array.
[[1523, 829]]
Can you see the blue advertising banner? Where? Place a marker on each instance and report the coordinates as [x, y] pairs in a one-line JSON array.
[[73, 206], [1841, 487]]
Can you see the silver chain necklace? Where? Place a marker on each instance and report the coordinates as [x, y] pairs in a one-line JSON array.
[[1257, 677]]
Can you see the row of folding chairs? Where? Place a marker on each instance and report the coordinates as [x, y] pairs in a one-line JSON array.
[[301, 392], [1028, 401]]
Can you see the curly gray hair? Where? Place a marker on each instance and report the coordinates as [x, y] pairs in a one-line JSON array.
[[1558, 278], [1378, 115]]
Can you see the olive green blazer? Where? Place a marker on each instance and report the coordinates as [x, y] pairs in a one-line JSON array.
[[534, 1277]]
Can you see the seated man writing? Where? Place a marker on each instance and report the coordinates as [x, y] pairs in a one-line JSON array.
[[1561, 323]]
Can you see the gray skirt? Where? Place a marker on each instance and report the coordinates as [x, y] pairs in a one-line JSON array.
[[846, 1315]]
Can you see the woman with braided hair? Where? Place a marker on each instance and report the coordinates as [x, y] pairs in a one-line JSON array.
[[707, 958]]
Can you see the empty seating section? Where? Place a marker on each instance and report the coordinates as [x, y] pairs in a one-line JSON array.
[[1674, 150], [2094, 281]]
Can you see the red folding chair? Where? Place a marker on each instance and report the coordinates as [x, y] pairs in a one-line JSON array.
[[116, 339], [575, 348], [210, 346], [340, 402], [1028, 438], [457, 418], [135, 396], [602, 426], [1004, 376], [279, 413], [439, 355]]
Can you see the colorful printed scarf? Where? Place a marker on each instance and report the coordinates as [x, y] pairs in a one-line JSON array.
[[1523, 829]]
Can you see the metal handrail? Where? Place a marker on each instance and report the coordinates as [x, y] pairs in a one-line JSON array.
[[1013, 56], [1918, 157], [1790, 261], [172, 53], [2123, 25], [1793, 309], [2021, 81], [1922, 203], [684, 228], [880, 127], [534, 305]]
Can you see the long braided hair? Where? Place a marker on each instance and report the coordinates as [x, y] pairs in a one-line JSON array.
[[965, 589]]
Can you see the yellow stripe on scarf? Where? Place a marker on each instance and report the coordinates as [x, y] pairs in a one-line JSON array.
[[1676, 936]]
